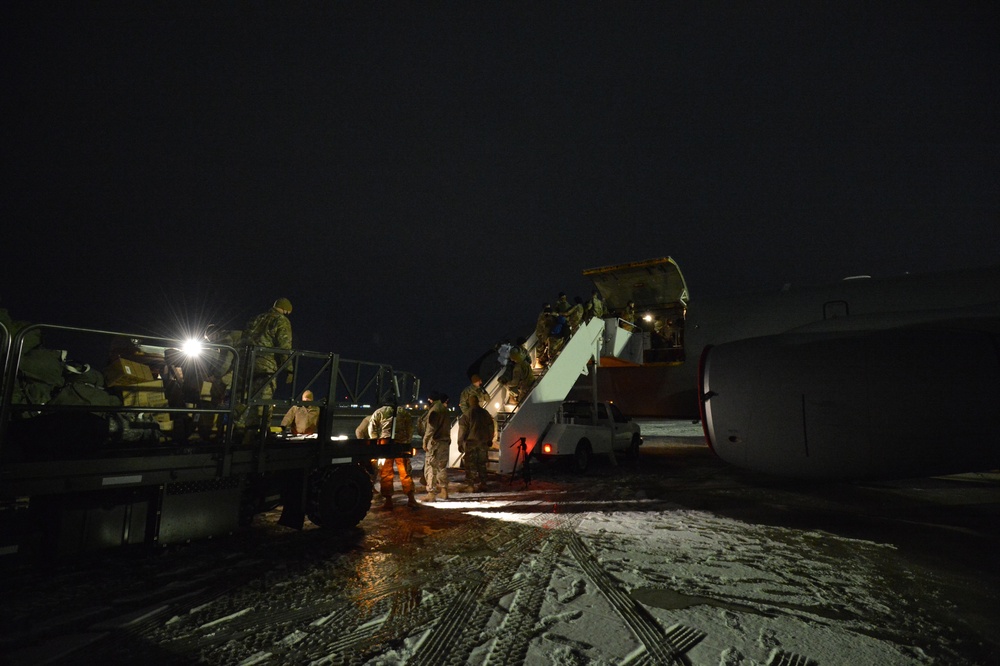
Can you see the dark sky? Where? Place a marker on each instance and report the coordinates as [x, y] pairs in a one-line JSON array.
[[419, 177]]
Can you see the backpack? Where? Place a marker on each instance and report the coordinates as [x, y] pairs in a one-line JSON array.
[[404, 425]]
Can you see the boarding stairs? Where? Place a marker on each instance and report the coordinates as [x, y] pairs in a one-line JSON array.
[[530, 418]]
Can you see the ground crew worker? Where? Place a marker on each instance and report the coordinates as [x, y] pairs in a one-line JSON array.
[[437, 441], [181, 387], [475, 437], [474, 389], [361, 432], [302, 419], [380, 428], [268, 329], [217, 364]]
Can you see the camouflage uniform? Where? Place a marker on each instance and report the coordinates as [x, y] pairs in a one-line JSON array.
[[557, 337], [628, 315], [562, 304], [503, 357], [437, 441], [470, 390], [268, 329], [303, 419], [543, 328], [522, 378], [475, 437], [380, 427], [594, 308], [574, 316]]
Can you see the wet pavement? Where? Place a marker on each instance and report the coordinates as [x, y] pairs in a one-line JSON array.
[[679, 559]]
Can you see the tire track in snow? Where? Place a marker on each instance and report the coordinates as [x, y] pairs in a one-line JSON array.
[[455, 637], [660, 649]]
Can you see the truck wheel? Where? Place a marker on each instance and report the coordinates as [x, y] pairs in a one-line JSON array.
[[248, 508], [582, 456], [339, 496], [633, 450]]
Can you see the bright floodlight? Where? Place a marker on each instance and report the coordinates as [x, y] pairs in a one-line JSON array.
[[192, 347], [648, 317]]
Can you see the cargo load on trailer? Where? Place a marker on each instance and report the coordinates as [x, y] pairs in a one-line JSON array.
[[111, 439]]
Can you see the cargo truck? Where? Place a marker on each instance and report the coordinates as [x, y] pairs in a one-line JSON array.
[[148, 451]]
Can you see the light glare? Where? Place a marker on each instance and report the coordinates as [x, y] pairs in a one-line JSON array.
[[192, 347]]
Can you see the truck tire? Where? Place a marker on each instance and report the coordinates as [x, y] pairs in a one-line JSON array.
[[582, 456], [633, 450], [339, 496]]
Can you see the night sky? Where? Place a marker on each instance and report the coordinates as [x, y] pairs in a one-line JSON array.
[[419, 177]]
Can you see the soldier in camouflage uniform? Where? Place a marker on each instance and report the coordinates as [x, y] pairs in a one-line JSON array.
[[628, 315], [522, 376], [594, 307], [562, 303], [380, 427], [437, 441], [474, 389], [574, 316], [543, 329], [268, 329], [475, 437], [302, 419]]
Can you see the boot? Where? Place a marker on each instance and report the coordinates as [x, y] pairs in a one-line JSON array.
[[429, 497], [411, 501], [443, 493], [386, 505]]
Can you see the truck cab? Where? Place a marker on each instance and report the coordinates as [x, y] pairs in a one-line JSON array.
[[582, 429]]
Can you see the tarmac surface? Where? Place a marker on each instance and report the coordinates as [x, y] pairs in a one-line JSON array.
[[493, 577]]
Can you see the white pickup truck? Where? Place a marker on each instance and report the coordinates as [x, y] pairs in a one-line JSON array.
[[583, 429]]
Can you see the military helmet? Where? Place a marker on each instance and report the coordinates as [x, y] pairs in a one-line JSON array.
[[283, 304]]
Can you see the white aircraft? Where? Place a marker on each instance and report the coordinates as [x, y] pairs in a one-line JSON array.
[[864, 378]]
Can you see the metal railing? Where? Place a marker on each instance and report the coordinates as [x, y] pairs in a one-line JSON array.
[[335, 382]]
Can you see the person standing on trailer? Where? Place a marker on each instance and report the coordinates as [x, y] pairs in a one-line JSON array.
[[268, 329], [302, 419]]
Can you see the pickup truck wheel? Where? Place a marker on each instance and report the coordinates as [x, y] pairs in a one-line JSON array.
[[339, 496], [633, 450], [582, 456]]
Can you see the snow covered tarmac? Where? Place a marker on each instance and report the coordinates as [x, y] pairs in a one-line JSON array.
[[681, 559]]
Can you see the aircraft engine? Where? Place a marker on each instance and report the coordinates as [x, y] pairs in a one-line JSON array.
[[891, 403]]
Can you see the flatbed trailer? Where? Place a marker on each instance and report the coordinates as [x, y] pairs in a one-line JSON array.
[[84, 477]]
